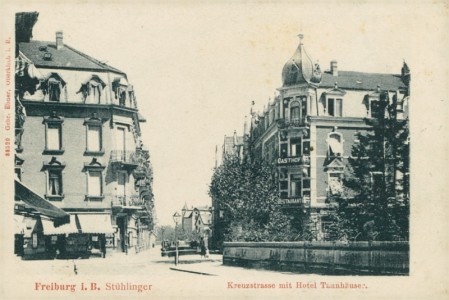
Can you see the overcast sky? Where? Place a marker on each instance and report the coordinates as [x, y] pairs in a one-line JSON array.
[[196, 68]]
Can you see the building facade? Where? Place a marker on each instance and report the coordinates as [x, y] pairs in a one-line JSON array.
[[309, 128], [78, 145]]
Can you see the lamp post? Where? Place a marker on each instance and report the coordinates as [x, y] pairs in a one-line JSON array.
[[176, 218]]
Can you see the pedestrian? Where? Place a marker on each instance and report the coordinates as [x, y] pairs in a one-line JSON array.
[[202, 247]]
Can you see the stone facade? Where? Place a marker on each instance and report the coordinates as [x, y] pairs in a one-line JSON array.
[[79, 145], [309, 128]]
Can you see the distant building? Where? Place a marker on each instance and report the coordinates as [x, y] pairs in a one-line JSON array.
[[78, 145], [197, 221], [233, 145]]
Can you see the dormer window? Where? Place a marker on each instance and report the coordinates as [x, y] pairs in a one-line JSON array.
[[92, 89], [333, 102], [120, 88], [53, 86], [335, 107]]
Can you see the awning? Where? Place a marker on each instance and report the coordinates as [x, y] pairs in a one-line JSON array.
[[95, 223], [68, 228], [39, 204]]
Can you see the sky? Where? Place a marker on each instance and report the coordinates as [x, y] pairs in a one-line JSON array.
[[197, 67]]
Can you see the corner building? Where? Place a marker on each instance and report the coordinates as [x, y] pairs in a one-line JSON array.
[[79, 147], [309, 128]]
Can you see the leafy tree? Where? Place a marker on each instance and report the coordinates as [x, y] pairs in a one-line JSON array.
[[374, 204], [247, 194]]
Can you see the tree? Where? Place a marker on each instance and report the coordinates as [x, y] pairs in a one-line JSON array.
[[245, 196], [374, 204]]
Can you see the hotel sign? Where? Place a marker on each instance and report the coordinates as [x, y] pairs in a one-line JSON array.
[[289, 161]]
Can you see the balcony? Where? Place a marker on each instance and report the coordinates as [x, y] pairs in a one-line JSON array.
[[127, 202], [285, 123], [125, 160]]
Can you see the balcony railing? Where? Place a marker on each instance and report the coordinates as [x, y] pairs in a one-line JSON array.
[[123, 156], [127, 201], [284, 123]]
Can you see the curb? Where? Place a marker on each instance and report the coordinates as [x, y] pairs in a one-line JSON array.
[[193, 272]]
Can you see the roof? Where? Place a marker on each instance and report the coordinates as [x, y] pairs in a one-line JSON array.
[[66, 58], [362, 81]]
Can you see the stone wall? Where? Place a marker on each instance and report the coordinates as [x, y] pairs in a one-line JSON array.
[[370, 258]]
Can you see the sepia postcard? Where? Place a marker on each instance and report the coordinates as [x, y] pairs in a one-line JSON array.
[[247, 150]]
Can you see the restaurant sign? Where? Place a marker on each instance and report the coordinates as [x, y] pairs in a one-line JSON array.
[[289, 201]]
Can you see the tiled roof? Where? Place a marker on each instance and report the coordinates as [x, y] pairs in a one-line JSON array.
[[362, 81], [67, 57]]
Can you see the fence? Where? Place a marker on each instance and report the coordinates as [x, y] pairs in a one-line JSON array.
[[337, 258]]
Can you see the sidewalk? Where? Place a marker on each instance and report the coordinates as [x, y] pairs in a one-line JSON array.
[[199, 265]]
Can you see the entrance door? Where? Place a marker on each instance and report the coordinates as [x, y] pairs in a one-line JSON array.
[[122, 237]]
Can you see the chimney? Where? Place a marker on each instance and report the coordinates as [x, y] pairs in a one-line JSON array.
[[59, 41], [334, 68]]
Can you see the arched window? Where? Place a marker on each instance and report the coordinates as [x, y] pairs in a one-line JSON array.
[[335, 144]]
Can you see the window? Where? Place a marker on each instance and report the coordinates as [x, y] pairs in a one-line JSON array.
[[295, 185], [53, 170], [375, 109], [94, 142], [93, 138], [120, 139], [121, 184], [94, 184], [54, 90], [54, 183], [53, 134], [295, 111], [94, 173], [335, 183], [91, 89], [335, 107], [53, 86], [335, 144], [295, 147]]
